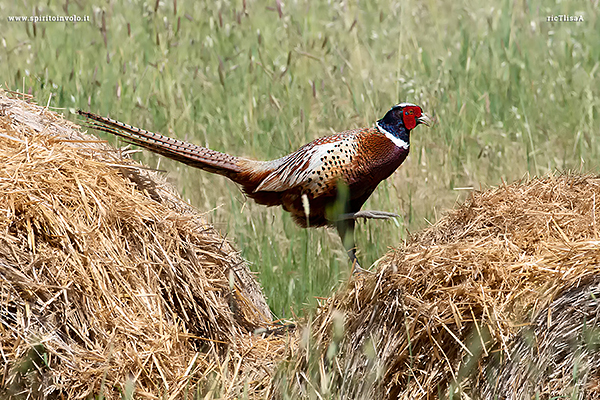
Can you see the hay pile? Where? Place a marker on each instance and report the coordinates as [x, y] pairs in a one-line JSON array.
[[560, 350], [109, 282], [442, 313]]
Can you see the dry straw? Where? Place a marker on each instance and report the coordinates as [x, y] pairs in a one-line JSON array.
[[109, 281], [556, 356], [459, 297]]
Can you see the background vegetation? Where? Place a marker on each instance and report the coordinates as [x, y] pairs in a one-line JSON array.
[[512, 93]]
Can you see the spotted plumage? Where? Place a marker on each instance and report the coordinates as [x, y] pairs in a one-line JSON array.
[[359, 158]]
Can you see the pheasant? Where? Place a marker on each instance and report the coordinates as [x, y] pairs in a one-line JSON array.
[[311, 182]]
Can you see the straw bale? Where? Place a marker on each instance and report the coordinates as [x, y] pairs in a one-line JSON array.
[[108, 277], [556, 355], [455, 297]]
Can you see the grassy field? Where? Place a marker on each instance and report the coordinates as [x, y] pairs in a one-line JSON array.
[[512, 94]]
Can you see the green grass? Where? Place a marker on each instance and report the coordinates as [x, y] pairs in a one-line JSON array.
[[512, 94]]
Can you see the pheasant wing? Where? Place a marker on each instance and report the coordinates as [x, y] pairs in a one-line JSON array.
[[315, 167]]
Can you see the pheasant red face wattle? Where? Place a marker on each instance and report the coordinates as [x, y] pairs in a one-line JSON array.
[[410, 115]]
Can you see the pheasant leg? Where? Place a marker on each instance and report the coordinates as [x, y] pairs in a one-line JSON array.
[[345, 228], [367, 214]]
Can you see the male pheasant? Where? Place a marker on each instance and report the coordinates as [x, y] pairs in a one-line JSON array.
[[305, 182]]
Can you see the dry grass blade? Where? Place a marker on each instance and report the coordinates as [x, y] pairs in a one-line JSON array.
[[107, 275], [459, 294]]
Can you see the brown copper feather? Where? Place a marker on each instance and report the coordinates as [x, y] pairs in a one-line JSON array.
[[359, 158]]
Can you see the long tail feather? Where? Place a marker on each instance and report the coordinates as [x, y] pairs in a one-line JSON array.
[[178, 150]]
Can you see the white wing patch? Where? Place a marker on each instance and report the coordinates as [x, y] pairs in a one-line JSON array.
[[310, 166]]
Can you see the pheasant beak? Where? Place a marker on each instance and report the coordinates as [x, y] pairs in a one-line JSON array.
[[425, 120]]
